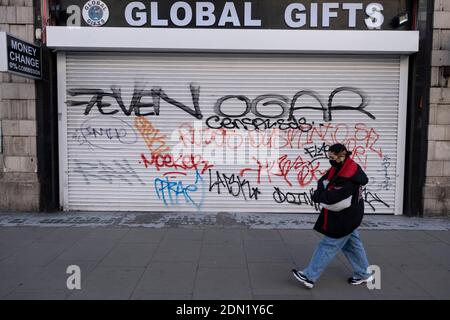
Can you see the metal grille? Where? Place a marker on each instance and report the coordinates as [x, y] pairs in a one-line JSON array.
[[294, 107]]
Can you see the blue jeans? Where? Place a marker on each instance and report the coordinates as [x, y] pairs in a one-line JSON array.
[[327, 249]]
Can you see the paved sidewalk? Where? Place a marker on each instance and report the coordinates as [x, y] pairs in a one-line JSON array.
[[207, 262]]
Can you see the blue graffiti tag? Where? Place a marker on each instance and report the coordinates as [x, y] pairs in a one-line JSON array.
[[171, 191]]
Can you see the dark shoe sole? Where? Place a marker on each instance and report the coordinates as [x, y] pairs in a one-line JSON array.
[[357, 283], [305, 283]]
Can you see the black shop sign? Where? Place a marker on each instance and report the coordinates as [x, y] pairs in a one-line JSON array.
[[23, 58], [237, 14]]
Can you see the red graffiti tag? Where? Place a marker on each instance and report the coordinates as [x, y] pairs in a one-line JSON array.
[[183, 162], [303, 171]]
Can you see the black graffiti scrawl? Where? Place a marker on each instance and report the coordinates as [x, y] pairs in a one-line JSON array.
[[136, 105], [287, 106]]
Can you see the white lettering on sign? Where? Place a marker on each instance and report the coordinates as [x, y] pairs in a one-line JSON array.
[[327, 13], [376, 18], [313, 14], [207, 14], [181, 14], [95, 13], [22, 53], [248, 16], [135, 14], [296, 15], [22, 57], [155, 21], [185, 11], [22, 47], [352, 8], [229, 15], [17, 57], [298, 10]]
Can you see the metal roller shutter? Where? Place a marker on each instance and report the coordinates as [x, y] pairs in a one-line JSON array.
[[124, 162]]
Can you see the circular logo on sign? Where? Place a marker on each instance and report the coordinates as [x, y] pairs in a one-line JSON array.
[[95, 13]]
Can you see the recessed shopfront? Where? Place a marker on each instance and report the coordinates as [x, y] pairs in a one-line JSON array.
[[233, 119]]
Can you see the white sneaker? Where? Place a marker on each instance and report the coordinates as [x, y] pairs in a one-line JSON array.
[[303, 279], [354, 281]]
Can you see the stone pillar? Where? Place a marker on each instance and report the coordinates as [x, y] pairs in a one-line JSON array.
[[19, 186], [437, 185]]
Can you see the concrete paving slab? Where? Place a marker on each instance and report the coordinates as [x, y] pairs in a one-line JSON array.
[[184, 234], [167, 278], [441, 235], [143, 235], [222, 283], [269, 251], [300, 236], [130, 260], [223, 236], [88, 250], [435, 284], [37, 254], [258, 235], [222, 256], [66, 235], [37, 296], [109, 283], [129, 255], [156, 296], [273, 279], [12, 277], [397, 283], [177, 250], [107, 234]]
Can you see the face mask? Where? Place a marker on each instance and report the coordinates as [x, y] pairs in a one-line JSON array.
[[334, 163]]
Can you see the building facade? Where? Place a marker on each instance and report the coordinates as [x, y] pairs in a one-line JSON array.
[[230, 106], [19, 183]]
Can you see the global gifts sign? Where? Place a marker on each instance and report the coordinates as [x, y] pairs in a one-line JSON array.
[[256, 14]]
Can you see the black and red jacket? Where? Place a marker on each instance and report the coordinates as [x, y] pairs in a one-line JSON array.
[[343, 182]]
